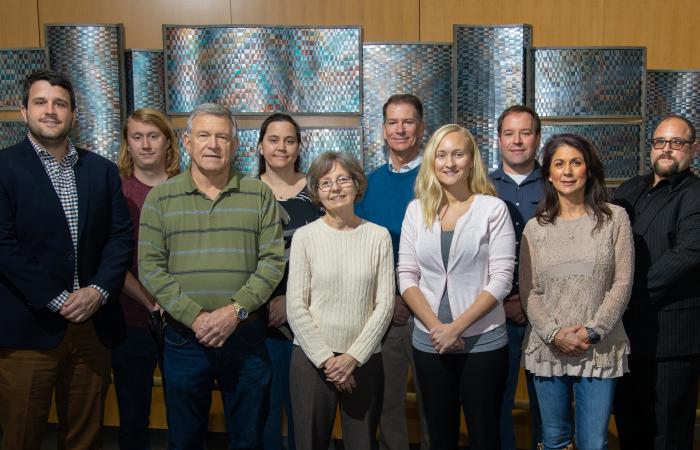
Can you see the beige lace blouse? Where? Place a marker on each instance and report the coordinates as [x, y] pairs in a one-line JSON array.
[[569, 275]]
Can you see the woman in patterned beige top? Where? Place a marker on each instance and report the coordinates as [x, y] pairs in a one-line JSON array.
[[576, 268]]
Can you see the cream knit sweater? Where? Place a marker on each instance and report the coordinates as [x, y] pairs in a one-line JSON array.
[[340, 292]]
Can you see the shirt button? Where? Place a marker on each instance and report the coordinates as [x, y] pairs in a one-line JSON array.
[[517, 223], [517, 204]]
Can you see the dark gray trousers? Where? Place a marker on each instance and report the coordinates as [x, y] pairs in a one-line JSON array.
[[314, 402]]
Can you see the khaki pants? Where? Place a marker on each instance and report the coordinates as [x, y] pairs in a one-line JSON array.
[[78, 371]]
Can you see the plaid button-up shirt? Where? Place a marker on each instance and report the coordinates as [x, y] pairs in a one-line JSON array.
[[62, 178]]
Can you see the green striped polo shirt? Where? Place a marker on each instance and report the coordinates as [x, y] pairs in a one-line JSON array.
[[197, 253]]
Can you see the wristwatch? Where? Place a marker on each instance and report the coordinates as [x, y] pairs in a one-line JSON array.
[[241, 311], [593, 336]]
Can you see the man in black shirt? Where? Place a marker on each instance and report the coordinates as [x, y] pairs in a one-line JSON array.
[[655, 403]]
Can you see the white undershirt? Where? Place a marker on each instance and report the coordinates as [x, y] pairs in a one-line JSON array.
[[517, 177]]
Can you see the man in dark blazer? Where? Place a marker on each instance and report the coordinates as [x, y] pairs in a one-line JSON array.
[[655, 403], [65, 245]]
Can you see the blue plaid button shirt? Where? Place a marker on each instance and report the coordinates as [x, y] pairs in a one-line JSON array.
[[62, 178]]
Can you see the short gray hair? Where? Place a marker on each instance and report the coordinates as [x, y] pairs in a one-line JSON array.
[[214, 110], [324, 164]]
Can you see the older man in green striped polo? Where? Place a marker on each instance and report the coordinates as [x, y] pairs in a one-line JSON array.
[[211, 253]]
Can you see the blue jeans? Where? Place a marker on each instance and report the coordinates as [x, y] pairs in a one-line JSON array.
[[593, 398], [242, 371], [133, 363], [516, 333], [281, 354]]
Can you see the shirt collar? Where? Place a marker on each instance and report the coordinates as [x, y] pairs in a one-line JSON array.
[[408, 166], [233, 182], [673, 180], [70, 159], [536, 173]]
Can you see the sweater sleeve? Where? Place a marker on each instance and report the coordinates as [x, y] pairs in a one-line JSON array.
[[305, 330], [531, 292], [501, 252], [615, 301], [407, 269], [153, 264], [373, 331], [270, 267]]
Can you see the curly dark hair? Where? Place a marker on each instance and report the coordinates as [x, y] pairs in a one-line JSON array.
[[595, 193]]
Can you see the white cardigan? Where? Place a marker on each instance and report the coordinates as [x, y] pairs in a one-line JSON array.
[[482, 257]]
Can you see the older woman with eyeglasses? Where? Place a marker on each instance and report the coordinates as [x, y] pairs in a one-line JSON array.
[[340, 299]]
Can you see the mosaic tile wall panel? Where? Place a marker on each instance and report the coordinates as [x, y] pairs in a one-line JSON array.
[[617, 144], [490, 75], [424, 70], [314, 141], [91, 55], [15, 65], [263, 69], [145, 79], [579, 82], [672, 92], [11, 132], [318, 140]]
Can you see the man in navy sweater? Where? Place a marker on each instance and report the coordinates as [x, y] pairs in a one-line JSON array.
[[389, 191]]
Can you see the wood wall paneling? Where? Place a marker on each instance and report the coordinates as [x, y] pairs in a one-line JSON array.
[[669, 30], [143, 20], [555, 22], [19, 24], [385, 20]]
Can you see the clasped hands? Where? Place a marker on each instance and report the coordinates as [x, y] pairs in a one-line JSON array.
[[212, 329], [572, 341], [338, 370], [81, 304], [446, 338]]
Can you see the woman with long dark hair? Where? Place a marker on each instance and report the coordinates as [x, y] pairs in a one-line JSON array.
[[576, 267]]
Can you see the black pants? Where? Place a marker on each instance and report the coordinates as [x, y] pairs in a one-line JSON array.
[[478, 380], [655, 403], [314, 401]]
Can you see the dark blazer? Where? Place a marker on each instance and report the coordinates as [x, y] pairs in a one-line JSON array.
[[664, 312], [36, 251]]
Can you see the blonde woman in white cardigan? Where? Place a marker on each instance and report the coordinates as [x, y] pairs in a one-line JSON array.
[[456, 261], [340, 298]]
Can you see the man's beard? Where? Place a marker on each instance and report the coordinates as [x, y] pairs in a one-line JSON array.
[[665, 171]]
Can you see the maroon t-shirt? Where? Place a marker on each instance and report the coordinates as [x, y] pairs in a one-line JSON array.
[[135, 192]]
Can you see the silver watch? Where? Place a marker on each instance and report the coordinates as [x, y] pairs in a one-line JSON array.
[[241, 311]]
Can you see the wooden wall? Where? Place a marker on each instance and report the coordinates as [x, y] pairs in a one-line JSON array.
[[666, 28]]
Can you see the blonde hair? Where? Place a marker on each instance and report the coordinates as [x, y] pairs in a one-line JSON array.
[[428, 189], [172, 154]]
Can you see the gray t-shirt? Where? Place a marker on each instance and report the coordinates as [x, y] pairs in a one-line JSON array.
[[491, 340]]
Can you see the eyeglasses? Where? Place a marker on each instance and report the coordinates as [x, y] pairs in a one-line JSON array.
[[675, 144], [342, 181]]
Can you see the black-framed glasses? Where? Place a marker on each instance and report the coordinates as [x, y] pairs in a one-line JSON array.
[[342, 181], [675, 144]]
